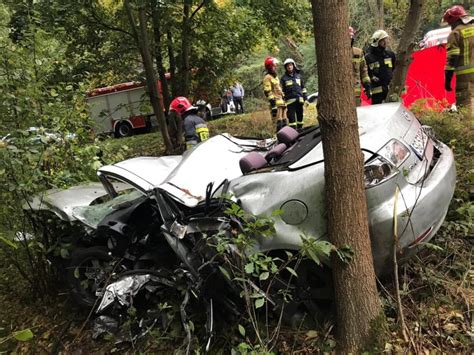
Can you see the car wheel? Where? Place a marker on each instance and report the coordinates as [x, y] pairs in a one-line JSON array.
[[89, 271], [124, 129]]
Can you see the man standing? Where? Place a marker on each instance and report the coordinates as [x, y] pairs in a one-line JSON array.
[[359, 69], [274, 93], [381, 64], [195, 128], [238, 95], [294, 92], [460, 56]]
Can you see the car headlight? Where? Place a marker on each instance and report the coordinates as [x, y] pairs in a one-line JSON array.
[[377, 171], [385, 165], [395, 152]]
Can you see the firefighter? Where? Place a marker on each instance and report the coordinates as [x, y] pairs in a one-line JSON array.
[[359, 69], [294, 93], [274, 93], [195, 128], [460, 56], [381, 64]]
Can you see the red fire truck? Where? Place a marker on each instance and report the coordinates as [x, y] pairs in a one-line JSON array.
[[121, 109]]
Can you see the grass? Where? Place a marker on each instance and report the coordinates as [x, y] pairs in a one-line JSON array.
[[437, 286]]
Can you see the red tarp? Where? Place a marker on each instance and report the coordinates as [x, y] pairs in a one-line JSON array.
[[425, 80]]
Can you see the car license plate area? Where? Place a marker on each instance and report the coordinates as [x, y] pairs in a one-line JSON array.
[[419, 143]]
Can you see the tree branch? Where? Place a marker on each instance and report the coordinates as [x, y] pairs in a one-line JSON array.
[[197, 10], [107, 26]]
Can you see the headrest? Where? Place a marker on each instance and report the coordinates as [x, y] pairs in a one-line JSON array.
[[287, 135], [276, 151], [252, 161]]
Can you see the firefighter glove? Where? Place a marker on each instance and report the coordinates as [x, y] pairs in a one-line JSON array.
[[374, 79], [448, 75], [305, 97]]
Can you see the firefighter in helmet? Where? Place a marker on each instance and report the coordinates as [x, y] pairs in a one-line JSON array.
[[359, 69], [195, 128], [460, 56], [274, 93], [294, 93], [381, 63]]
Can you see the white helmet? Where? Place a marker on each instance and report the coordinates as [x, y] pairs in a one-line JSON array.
[[377, 36], [288, 61]]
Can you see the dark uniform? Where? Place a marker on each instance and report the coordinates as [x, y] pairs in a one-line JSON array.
[[295, 96], [381, 64], [360, 74], [195, 129], [460, 59]]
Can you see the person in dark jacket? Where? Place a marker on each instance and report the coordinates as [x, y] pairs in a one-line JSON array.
[[195, 128], [294, 93], [381, 64]]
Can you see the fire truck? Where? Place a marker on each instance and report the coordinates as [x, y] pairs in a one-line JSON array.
[[121, 109]]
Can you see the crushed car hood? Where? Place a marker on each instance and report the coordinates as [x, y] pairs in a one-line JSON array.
[[144, 173], [213, 161], [62, 202]]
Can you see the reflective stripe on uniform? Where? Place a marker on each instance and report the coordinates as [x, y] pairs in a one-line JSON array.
[[448, 67], [291, 124], [366, 80], [454, 51], [388, 62], [465, 69], [290, 101], [288, 82], [376, 90], [280, 102], [374, 65], [467, 32], [203, 133]]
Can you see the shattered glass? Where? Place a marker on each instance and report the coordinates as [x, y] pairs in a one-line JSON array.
[[94, 214]]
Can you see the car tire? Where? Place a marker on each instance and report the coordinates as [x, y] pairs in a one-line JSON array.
[[87, 272], [123, 129]]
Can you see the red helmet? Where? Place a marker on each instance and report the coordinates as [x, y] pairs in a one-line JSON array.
[[453, 14], [180, 105], [270, 61], [351, 32]]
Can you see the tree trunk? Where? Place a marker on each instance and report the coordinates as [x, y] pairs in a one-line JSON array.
[[185, 70], [357, 301], [172, 61], [380, 14], [144, 46], [467, 5], [158, 56], [405, 49]]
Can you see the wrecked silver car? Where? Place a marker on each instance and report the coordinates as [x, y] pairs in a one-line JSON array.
[[152, 212]]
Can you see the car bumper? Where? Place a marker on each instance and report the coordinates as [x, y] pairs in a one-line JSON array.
[[420, 211]]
